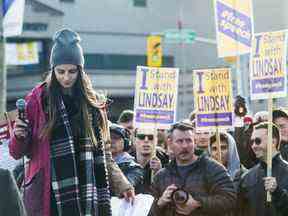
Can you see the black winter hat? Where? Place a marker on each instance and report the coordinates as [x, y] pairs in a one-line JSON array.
[[66, 49]]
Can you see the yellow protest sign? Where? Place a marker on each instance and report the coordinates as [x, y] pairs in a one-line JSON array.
[[213, 98], [155, 97], [234, 26], [268, 65], [154, 51]]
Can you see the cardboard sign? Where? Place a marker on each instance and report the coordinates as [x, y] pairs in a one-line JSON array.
[[213, 98], [155, 97], [268, 65], [234, 26]]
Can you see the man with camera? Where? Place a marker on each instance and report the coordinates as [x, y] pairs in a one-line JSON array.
[[191, 184]]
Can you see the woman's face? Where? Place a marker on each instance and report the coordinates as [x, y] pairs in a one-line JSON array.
[[66, 75]]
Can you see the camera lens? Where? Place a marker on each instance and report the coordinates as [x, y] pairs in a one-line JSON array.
[[180, 196]]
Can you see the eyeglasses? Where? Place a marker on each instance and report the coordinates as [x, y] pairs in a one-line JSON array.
[[256, 140], [142, 136]]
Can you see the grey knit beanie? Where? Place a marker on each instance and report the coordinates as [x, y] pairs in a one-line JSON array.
[[66, 49]]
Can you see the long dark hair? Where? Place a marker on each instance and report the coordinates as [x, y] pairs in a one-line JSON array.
[[85, 96]]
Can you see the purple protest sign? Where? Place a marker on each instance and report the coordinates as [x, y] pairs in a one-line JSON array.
[[268, 75], [155, 116], [268, 85], [214, 119], [155, 98], [234, 27], [234, 24], [213, 98]]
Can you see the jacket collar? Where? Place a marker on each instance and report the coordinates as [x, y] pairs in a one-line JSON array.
[[172, 166]]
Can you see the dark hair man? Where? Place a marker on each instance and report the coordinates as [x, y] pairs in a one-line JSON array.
[[255, 184], [208, 187]]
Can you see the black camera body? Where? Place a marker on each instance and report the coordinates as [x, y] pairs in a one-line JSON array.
[[180, 196]]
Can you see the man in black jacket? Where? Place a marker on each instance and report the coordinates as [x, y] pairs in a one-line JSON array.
[[191, 184], [10, 200], [254, 185]]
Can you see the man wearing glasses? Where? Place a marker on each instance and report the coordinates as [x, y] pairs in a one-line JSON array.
[[149, 156], [254, 185], [191, 184]]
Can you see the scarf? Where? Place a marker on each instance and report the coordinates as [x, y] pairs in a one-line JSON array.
[[79, 182]]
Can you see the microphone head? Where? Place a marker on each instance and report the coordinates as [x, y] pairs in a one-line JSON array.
[[21, 104]]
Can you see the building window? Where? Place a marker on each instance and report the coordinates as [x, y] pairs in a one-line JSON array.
[[120, 61], [140, 3]]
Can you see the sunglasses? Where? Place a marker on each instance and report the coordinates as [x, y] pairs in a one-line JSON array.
[[256, 140], [142, 137]]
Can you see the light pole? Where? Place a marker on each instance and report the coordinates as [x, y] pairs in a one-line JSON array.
[[3, 72]]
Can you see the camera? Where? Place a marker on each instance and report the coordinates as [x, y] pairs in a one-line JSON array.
[[180, 196]]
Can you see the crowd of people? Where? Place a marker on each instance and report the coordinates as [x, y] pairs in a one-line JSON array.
[[76, 159]]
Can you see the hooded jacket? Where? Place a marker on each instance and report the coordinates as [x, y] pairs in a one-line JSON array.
[[233, 164]]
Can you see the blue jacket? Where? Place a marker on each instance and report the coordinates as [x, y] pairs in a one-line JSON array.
[[132, 170]]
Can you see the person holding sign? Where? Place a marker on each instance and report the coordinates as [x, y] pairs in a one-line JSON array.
[[254, 185], [150, 157], [191, 184], [66, 136]]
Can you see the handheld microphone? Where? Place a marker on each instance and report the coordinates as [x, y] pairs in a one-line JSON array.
[[21, 105]]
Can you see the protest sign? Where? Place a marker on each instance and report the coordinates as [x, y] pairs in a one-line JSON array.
[[234, 26], [213, 98], [155, 97], [268, 65]]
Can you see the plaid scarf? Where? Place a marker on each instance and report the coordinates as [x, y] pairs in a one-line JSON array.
[[80, 186]]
